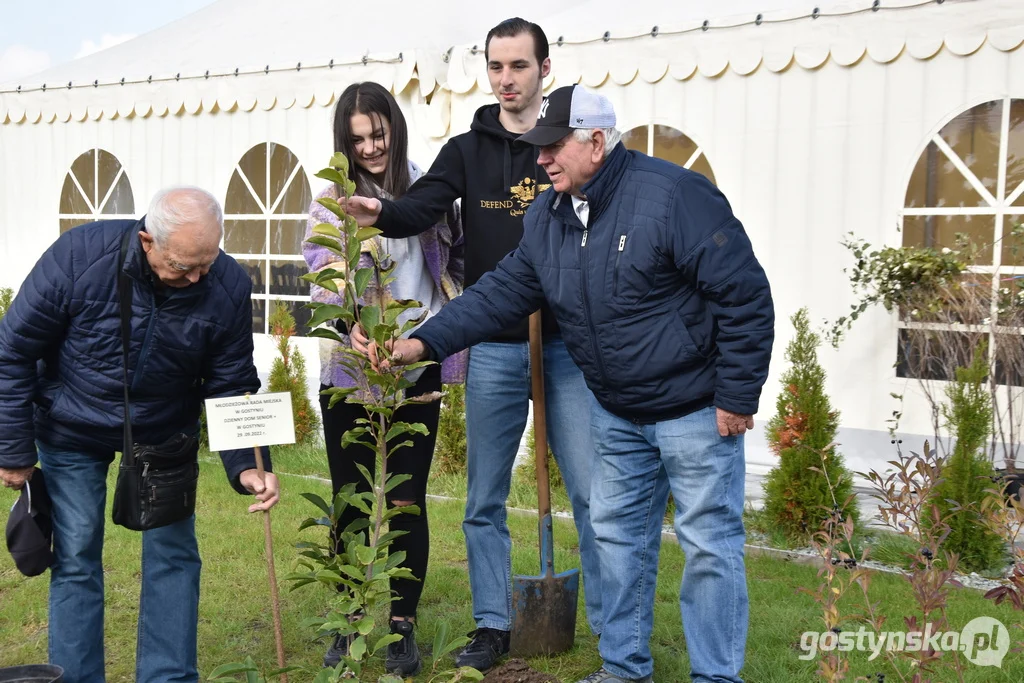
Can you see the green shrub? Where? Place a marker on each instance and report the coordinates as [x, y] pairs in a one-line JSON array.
[[810, 478], [288, 373], [6, 297], [966, 475], [450, 449]]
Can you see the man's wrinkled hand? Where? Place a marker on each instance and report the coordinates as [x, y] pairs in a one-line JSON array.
[[16, 478], [267, 491], [403, 352], [733, 424], [364, 209]]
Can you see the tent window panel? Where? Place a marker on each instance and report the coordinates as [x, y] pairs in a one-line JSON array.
[[240, 199], [1009, 360], [297, 197], [974, 136], [259, 316], [936, 182], [84, 168], [256, 270], [673, 145], [107, 167], [286, 236], [121, 200], [935, 354], [1015, 150], [245, 236], [285, 278], [83, 201], [71, 199], [702, 166], [68, 223], [636, 139], [938, 232], [282, 163], [254, 165], [1013, 244]]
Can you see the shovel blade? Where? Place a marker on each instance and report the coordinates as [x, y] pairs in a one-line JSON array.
[[544, 613]]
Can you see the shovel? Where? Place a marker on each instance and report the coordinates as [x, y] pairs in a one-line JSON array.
[[544, 607]]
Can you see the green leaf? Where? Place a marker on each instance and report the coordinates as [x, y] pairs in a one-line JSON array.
[[332, 175], [364, 626], [329, 229], [325, 312], [362, 280], [440, 639], [326, 333], [333, 206], [285, 670], [384, 641], [321, 521], [328, 576], [318, 501], [224, 671], [340, 162], [394, 480], [369, 318], [358, 648], [399, 428], [364, 234], [468, 673], [325, 676], [366, 554], [365, 472], [327, 242]]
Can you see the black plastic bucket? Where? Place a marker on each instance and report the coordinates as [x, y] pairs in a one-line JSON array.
[[33, 673]]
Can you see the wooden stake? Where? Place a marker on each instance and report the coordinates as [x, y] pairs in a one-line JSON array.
[[269, 548]]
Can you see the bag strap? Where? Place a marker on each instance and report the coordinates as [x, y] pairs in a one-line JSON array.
[[124, 295]]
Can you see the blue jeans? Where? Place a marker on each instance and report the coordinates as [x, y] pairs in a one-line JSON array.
[[637, 465], [169, 600], [497, 392]]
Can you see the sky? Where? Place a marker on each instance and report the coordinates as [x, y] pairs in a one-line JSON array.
[[38, 34]]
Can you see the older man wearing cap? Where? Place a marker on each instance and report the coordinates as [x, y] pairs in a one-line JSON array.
[[669, 315]]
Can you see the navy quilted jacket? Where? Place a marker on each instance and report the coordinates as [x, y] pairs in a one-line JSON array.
[[61, 358], [660, 299]]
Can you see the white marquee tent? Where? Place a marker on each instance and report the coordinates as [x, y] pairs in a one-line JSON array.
[[812, 119]]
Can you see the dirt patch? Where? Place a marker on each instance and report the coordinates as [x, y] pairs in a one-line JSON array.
[[518, 671]]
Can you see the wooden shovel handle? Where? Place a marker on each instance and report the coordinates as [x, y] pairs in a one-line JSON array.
[[540, 427]]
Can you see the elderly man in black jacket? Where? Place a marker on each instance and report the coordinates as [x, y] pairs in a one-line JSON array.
[[62, 397]]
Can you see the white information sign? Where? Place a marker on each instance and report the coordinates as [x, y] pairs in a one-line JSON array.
[[250, 420]]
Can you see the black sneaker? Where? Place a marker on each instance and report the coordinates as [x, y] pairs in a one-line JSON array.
[[403, 656], [487, 646], [337, 650]]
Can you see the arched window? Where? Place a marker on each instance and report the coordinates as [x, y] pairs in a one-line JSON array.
[[265, 215], [968, 188], [95, 188], [669, 144]]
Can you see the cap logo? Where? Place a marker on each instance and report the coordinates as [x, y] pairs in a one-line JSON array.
[[543, 109], [579, 120]]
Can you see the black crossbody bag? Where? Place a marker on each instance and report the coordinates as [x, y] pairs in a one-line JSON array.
[[156, 485]]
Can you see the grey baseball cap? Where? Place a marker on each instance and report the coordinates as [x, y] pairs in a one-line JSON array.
[[566, 109]]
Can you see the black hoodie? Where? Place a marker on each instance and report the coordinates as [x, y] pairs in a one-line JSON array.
[[497, 178]]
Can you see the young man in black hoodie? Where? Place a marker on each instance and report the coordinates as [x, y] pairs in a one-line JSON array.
[[497, 177]]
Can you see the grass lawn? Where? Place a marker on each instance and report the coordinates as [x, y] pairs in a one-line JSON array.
[[235, 618]]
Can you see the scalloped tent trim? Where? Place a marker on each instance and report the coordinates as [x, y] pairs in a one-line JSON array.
[[801, 41], [266, 89]]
